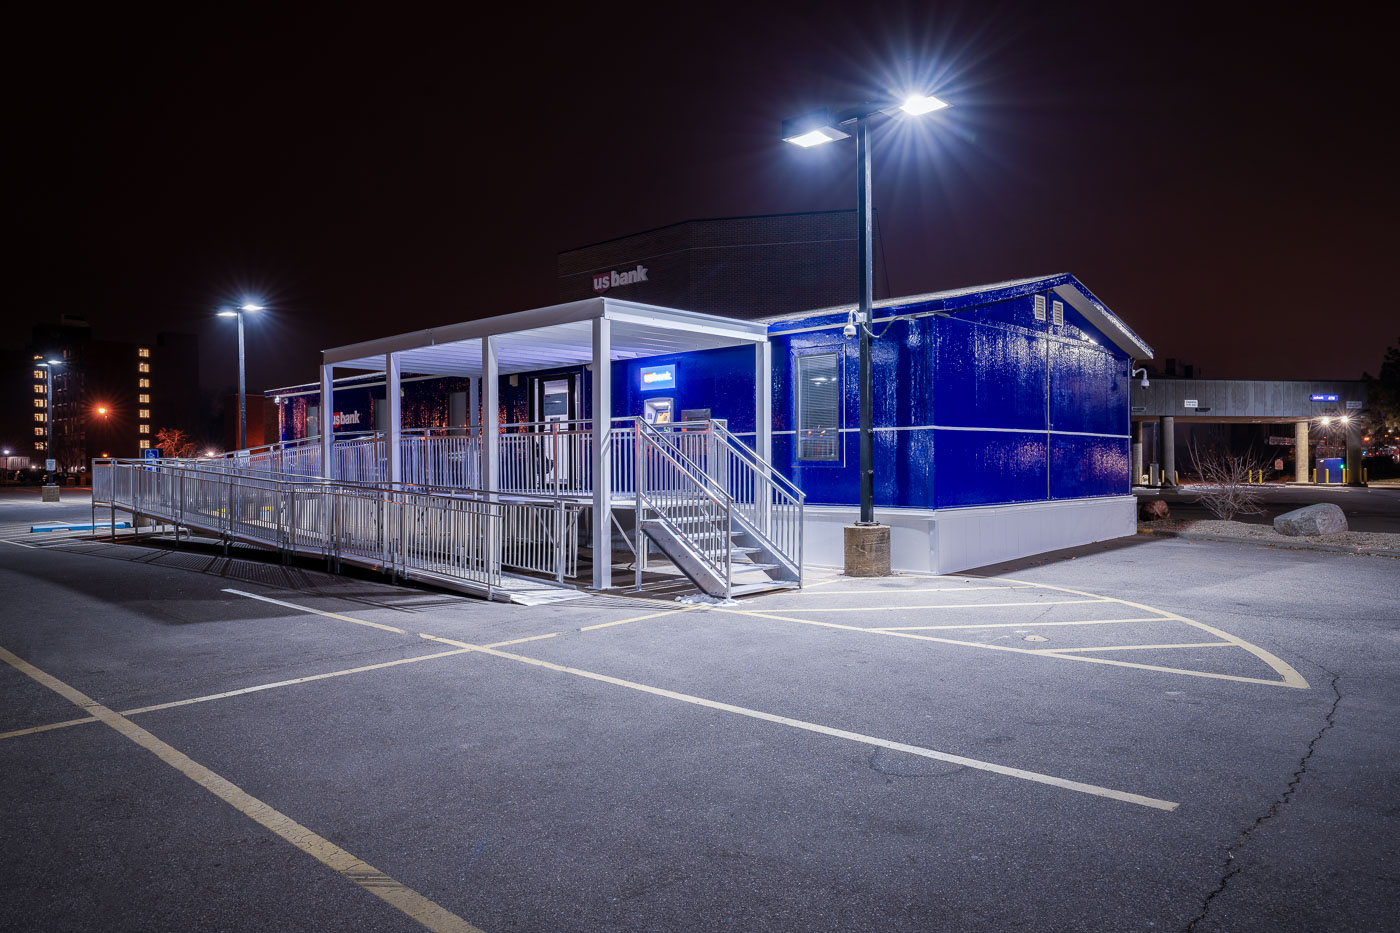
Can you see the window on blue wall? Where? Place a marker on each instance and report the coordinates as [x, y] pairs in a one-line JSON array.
[[818, 407]]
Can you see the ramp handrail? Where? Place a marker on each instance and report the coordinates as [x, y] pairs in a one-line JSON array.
[[408, 530], [692, 504]]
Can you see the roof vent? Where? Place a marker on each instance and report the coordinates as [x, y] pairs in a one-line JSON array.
[[1059, 311], [1040, 307]]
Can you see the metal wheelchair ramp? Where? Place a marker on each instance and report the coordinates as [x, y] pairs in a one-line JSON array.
[[458, 539]]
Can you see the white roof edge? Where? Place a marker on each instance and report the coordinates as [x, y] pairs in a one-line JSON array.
[[566, 313], [735, 328], [1105, 320]]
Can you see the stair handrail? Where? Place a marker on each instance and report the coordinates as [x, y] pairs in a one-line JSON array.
[[757, 461], [692, 472], [773, 522]]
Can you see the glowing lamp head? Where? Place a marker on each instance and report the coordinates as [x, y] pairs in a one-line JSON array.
[[227, 313], [1326, 421], [812, 129], [811, 138], [102, 409], [1346, 419], [918, 104], [251, 307]]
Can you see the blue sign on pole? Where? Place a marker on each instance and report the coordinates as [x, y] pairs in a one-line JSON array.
[[1324, 398], [150, 453], [658, 377]]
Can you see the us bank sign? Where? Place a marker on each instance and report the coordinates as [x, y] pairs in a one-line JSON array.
[[606, 280]]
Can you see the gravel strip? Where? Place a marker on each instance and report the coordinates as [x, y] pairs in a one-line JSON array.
[[1355, 541]]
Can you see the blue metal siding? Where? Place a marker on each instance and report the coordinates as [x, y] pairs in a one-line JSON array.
[[720, 380], [1081, 466], [983, 467], [988, 376]]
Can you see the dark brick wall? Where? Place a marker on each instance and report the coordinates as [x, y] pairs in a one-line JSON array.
[[742, 267]]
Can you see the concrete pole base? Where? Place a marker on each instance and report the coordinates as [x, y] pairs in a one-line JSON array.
[[50, 493], [867, 550]]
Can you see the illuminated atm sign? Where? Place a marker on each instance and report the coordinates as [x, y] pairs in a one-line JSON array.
[[1324, 398], [658, 377]]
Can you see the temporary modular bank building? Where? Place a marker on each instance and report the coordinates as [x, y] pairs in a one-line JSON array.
[[1001, 424]]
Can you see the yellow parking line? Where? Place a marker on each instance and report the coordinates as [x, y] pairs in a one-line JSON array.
[[427, 913], [1021, 624], [650, 615], [241, 691], [1291, 677], [1296, 682], [1048, 602], [1199, 644], [921, 751], [319, 612], [48, 728], [895, 591]]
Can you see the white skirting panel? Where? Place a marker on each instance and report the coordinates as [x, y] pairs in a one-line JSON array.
[[950, 540]]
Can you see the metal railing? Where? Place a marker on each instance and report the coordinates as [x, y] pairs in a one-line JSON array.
[[675, 491], [450, 535]]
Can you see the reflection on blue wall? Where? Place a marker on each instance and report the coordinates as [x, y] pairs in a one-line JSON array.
[[975, 401]]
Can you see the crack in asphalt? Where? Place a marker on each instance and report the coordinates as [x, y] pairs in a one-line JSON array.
[[1231, 867]]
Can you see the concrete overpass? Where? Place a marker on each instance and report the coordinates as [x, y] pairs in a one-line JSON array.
[[1167, 399]]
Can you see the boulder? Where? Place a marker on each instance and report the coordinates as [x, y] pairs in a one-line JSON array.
[[1152, 509], [1321, 519]]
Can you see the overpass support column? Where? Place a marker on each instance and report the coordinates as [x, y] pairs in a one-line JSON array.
[[1166, 442], [1300, 452], [1137, 455], [1353, 429]]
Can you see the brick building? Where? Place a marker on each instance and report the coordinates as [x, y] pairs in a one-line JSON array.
[[743, 267]]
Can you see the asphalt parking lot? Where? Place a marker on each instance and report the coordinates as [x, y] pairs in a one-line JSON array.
[[1153, 734]]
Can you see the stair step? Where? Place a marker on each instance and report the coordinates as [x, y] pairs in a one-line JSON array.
[[743, 566]]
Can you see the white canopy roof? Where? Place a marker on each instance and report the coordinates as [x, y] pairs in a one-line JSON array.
[[543, 338]]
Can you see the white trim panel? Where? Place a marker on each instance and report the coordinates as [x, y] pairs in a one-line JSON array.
[[953, 540]]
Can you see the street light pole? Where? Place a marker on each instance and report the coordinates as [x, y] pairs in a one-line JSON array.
[[866, 299], [242, 381], [242, 391], [867, 543]]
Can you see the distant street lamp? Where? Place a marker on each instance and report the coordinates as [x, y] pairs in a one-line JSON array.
[[815, 129], [242, 401], [48, 368]]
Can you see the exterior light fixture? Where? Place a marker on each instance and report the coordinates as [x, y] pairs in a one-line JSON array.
[[1143, 370], [917, 104], [813, 129]]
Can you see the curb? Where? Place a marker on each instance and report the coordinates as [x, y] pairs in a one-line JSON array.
[[1228, 539]]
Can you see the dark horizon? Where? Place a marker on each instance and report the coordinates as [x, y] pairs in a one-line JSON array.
[[1212, 177]]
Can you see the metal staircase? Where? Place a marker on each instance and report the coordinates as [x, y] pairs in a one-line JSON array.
[[720, 514]]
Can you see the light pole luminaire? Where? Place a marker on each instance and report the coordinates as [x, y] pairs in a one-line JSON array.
[[814, 129]]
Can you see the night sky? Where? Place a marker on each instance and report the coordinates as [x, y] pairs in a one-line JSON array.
[[1224, 182]]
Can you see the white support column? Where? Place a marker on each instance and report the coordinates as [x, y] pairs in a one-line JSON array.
[[763, 400], [490, 416], [394, 396], [602, 453], [473, 401], [326, 414]]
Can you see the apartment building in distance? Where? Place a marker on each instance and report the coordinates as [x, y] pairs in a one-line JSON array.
[[109, 398]]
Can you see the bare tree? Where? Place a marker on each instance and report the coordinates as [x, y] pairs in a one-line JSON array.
[[1225, 480], [174, 443]]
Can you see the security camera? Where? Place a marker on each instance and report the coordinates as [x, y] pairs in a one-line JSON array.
[[850, 329]]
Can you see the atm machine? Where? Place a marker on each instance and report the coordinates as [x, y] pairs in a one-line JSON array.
[[554, 400], [658, 410]]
